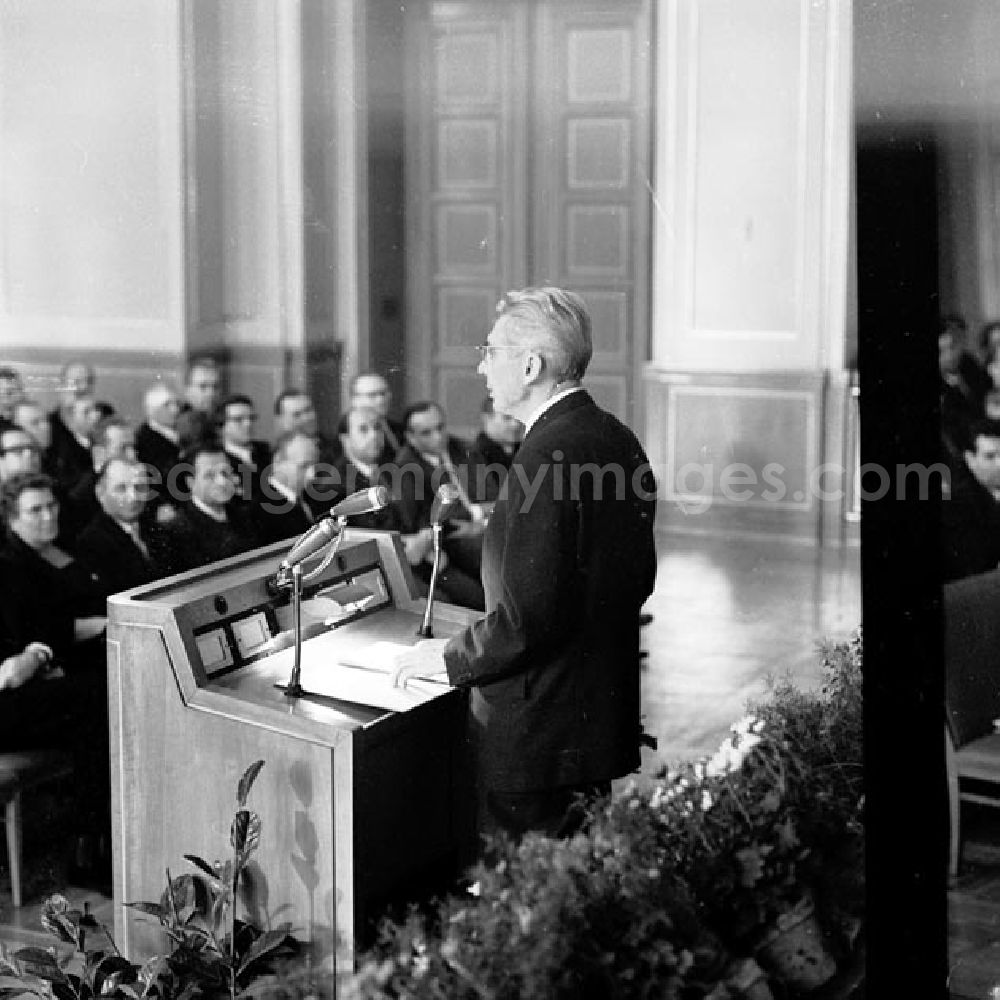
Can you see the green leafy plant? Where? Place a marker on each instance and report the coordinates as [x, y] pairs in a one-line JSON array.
[[214, 953]]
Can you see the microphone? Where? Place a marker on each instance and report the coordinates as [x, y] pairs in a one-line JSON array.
[[362, 502], [446, 498], [322, 533]]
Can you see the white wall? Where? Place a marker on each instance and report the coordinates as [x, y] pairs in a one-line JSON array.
[[90, 175]]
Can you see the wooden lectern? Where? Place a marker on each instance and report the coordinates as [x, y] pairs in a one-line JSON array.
[[365, 792]]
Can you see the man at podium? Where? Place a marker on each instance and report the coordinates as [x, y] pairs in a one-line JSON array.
[[568, 561]]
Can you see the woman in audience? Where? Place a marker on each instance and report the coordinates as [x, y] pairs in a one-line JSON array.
[[53, 686]]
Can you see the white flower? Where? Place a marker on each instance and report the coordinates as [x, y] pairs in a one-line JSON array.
[[706, 801], [744, 725]]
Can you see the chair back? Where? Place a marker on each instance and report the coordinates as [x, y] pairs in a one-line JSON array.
[[972, 655]]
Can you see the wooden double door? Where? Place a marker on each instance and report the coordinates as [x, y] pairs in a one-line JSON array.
[[527, 162]]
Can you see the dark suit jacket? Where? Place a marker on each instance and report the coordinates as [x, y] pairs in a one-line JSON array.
[[154, 449], [193, 538], [275, 519], [40, 602], [351, 479], [970, 523], [418, 482], [554, 665], [69, 460], [490, 461], [251, 477], [118, 562]]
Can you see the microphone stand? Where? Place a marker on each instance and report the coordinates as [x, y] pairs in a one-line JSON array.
[[294, 689], [425, 631]]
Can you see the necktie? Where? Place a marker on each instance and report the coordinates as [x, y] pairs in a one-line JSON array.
[[457, 483]]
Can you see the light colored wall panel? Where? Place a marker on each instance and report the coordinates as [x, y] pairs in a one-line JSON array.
[[748, 128], [467, 153], [234, 134], [461, 392], [89, 178], [465, 315], [598, 154], [753, 152], [752, 453], [466, 239]]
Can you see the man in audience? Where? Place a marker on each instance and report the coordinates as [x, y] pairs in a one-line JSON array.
[[361, 444], [294, 411], [156, 441], [429, 459], [71, 455], [116, 544], [970, 512], [963, 383], [202, 392], [30, 416], [76, 380], [493, 450], [248, 456], [372, 390], [208, 526], [114, 437], [19, 452], [11, 390], [285, 510]]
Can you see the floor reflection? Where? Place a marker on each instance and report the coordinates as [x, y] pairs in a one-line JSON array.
[[726, 613]]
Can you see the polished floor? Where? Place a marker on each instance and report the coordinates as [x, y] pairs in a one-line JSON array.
[[727, 613]]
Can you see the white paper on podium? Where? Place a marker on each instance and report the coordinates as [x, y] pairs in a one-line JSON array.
[[356, 672]]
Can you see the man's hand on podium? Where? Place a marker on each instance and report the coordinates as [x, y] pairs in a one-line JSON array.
[[424, 659]]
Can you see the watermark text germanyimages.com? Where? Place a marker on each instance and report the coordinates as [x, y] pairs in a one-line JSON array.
[[694, 486]]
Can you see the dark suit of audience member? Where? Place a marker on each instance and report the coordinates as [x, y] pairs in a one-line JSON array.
[[152, 448], [194, 538], [114, 555], [352, 479], [419, 480], [489, 461], [250, 474], [970, 510], [41, 601], [70, 459]]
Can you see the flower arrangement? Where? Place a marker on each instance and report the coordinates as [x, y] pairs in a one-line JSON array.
[[673, 885]]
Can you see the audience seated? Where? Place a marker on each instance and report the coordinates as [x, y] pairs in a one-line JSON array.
[[372, 390], [361, 445], [963, 383], [19, 452], [30, 416], [970, 514], [114, 437], [118, 545], [248, 457], [208, 526], [156, 441], [51, 626], [76, 380], [430, 458], [11, 391], [44, 588], [202, 392], [493, 450], [71, 457], [285, 510], [991, 405], [989, 338], [294, 411]]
